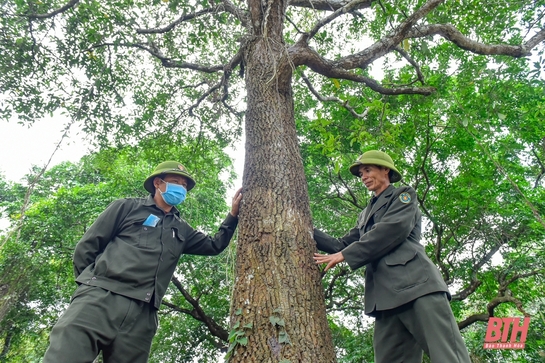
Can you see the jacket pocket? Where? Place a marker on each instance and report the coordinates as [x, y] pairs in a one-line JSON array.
[[176, 244], [145, 239], [405, 269], [141, 236], [134, 233]]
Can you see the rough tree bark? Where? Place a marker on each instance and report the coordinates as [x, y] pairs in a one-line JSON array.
[[278, 311]]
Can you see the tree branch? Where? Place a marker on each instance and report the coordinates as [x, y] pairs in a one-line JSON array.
[[475, 283], [472, 319], [329, 291], [492, 305], [389, 42], [340, 303], [70, 4], [237, 12], [516, 277], [299, 31], [452, 34], [168, 63], [203, 96], [541, 166], [328, 5], [353, 199], [504, 297], [495, 302], [486, 258], [437, 253], [406, 55], [333, 99], [198, 313], [223, 83], [473, 286], [226, 5], [352, 5], [165, 61], [192, 313], [178, 21], [304, 55], [429, 144]]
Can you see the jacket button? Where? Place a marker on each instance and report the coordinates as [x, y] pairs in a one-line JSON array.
[[148, 294], [147, 299], [93, 278]]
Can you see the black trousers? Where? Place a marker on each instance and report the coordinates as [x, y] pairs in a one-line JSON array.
[[100, 320], [425, 324]]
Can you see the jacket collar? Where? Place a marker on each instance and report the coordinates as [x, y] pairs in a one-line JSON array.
[[150, 202], [382, 199]]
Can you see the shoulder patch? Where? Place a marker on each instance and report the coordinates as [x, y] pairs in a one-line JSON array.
[[405, 197]]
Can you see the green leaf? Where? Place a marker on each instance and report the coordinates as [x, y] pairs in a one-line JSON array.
[[274, 320], [283, 337], [243, 341], [232, 335]]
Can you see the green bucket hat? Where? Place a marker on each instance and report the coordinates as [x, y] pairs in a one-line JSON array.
[[375, 157], [169, 167]]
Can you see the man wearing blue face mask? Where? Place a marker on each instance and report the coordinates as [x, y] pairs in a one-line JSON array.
[[123, 265]]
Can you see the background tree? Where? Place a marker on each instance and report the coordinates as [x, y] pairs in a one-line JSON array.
[[81, 57], [36, 270], [478, 177]]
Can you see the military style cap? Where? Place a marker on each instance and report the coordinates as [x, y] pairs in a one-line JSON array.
[[169, 167], [375, 157]]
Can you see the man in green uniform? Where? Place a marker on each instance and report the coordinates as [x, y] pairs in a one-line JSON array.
[[123, 265], [404, 290]]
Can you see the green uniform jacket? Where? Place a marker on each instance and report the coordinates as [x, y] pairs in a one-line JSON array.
[[387, 241], [120, 254]]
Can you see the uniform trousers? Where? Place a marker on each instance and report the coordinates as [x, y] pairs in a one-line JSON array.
[[425, 324], [100, 320]]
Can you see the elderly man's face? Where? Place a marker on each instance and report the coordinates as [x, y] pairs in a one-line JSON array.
[[374, 177]]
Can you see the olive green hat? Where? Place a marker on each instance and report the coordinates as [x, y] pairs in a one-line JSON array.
[[169, 167], [375, 157]]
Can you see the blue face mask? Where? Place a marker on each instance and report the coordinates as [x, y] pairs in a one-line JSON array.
[[174, 194]]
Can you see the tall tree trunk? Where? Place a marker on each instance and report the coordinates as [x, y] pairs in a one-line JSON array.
[[278, 310]]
